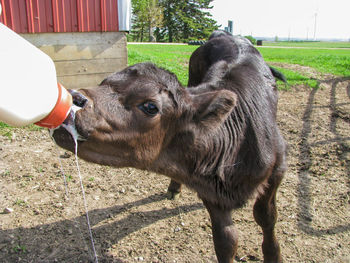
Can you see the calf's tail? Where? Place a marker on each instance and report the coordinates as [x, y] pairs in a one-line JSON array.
[[277, 74]]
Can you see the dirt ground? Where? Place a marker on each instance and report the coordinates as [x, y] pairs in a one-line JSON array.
[[132, 221]]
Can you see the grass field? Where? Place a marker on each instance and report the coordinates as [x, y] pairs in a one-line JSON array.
[[171, 57], [308, 44], [334, 61], [175, 58]]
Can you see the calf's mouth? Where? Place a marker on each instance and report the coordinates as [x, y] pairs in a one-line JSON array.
[[66, 135]]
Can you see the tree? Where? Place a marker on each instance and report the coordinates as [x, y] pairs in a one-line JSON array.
[[186, 20], [147, 15], [251, 39], [197, 23], [154, 16], [171, 20]]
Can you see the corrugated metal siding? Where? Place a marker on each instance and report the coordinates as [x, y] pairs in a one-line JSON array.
[[42, 16], [64, 16], [110, 17], [11, 10]]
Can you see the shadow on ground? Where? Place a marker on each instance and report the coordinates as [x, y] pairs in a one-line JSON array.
[[77, 245]]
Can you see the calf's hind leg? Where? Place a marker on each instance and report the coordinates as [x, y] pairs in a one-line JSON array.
[[224, 233], [174, 190], [265, 214]]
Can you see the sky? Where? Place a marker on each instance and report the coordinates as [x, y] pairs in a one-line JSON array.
[[285, 18]]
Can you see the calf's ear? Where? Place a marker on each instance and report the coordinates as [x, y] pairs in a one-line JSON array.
[[212, 108]]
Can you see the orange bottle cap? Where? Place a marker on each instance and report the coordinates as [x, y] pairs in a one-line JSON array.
[[60, 111]]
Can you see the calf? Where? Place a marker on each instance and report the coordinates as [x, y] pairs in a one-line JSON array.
[[219, 136]]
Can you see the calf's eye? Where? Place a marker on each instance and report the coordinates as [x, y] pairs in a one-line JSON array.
[[149, 108]]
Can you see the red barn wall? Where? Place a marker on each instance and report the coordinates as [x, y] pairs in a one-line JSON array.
[[47, 16]]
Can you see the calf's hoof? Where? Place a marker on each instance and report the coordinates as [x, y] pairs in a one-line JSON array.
[[173, 195]]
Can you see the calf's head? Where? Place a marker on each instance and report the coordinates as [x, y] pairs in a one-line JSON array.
[[139, 116]]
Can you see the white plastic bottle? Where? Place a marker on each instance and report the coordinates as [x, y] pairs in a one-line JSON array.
[[29, 92]]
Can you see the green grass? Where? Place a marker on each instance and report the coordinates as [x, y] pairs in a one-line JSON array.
[[295, 78], [6, 130], [175, 58], [68, 177], [171, 57], [336, 62], [20, 202], [20, 249], [308, 44]]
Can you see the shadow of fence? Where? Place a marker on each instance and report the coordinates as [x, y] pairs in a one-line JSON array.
[[305, 215]]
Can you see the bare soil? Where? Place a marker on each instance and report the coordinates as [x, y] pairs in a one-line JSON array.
[[132, 221]]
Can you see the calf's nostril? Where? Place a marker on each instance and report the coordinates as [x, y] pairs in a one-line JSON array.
[[78, 99], [80, 102]]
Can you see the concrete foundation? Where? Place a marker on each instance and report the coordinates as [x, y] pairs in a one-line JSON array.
[[83, 59]]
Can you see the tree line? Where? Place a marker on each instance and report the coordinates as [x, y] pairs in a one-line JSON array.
[[171, 20]]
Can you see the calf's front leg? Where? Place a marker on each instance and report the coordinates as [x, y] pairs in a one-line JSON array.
[[225, 235]]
